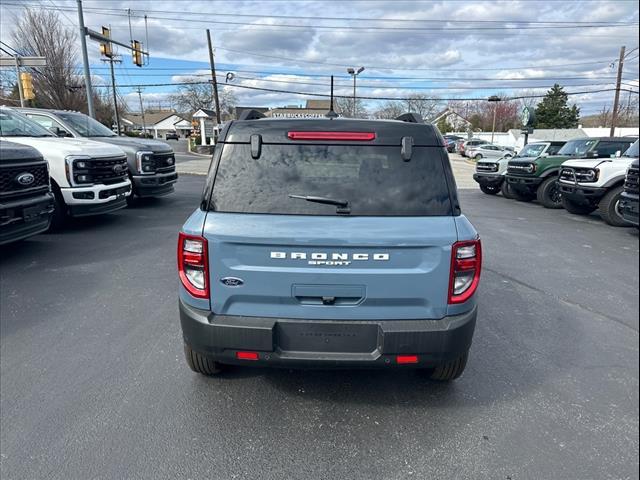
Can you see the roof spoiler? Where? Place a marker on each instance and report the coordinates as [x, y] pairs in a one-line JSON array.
[[251, 115], [410, 118]]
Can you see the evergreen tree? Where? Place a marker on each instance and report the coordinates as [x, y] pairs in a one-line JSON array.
[[554, 112]]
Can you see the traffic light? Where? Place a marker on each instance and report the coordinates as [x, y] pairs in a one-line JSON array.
[[137, 53], [27, 86], [105, 47]]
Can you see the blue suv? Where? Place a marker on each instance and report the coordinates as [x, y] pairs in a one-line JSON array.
[[329, 243]]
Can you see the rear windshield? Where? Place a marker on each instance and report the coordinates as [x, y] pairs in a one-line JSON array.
[[375, 181]]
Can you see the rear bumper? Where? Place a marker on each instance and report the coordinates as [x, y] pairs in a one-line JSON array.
[[154, 185], [629, 208], [489, 180], [24, 218], [326, 343], [580, 193]]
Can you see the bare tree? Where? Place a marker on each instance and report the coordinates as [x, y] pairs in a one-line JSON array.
[[344, 106], [40, 33], [193, 96], [390, 109], [426, 107]]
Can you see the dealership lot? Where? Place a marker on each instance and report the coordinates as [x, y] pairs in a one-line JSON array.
[[94, 383]]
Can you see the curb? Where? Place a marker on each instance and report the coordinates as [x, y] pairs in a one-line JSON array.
[[199, 174]]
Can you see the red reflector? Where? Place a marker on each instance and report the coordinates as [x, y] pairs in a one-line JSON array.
[[400, 359], [353, 136], [247, 355]]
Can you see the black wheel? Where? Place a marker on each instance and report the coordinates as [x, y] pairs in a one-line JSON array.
[[489, 190], [549, 195], [450, 370], [506, 190], [520, 195], [200, 363], [59, 217], [478, 157], [609, 208], [577, 208]]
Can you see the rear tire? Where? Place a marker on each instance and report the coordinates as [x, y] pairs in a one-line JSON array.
[[506, 190], [489, 190], [450, 370], [549, 195], [609, 208], [577, 208], [200, 363]]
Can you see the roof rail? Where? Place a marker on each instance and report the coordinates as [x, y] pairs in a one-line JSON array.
[[410, 118], [251, 115]]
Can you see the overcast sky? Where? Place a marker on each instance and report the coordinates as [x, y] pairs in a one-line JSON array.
[[450, 49]]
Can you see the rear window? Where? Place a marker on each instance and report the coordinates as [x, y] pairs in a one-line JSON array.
[[375, 181]]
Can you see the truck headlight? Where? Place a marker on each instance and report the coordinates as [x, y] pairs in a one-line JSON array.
[[531, 168], [76, 168], [591, 175], [145, 163]]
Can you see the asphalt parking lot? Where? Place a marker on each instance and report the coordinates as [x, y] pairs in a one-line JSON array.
[[94, 383]]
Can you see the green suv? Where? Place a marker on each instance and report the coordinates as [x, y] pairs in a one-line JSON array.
[[531, 179]]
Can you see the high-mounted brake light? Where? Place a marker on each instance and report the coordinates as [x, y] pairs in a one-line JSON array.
[[349, 136], [193, 264], [466, 264]]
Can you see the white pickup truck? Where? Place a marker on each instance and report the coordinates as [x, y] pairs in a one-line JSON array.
[[588, 185], [87, 177]]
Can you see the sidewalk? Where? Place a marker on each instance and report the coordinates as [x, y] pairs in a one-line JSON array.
[[197, 166]]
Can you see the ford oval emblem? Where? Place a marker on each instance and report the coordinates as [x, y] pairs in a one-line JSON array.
[[25, 179], [232, 281], [117, 168]]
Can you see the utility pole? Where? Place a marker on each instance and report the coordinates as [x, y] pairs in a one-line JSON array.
[[111, 61], [616, 100], [354, 73], [144, 123], [213, 77], [85, 61], [19, 82]]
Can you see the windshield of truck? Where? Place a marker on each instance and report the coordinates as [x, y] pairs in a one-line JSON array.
[[532, 150], [633, 150], [366, 180], [85, 125], [13, 124], [577, 148]]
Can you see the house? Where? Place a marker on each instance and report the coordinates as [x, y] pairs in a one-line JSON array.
[[453, 118], [158, 123]]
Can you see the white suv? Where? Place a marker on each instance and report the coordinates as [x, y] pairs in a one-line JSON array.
[[590, 185], [87, 177]]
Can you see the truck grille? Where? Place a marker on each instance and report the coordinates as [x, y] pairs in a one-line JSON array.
[[164, 162], [631, 183], [8, 178], [521, 169], [487, 167], [106, 170]]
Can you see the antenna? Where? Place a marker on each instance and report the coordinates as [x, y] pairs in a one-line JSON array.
[[331, 113]]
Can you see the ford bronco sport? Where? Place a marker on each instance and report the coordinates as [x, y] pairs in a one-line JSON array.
[[538, 178], [329, 242]]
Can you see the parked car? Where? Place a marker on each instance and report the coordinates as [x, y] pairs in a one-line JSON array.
[[629, 200], [152, 169], [488, 150], [332, 243], [172, 136], [596, 184], [26, 201], [87, 177], [450, 142], [469, 144], [491, 174], [538, 178]]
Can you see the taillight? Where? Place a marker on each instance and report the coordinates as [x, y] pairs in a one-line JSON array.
[[466, 263], [348, 136], [193, 264]]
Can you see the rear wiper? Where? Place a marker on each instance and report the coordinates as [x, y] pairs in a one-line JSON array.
[[343, 205]]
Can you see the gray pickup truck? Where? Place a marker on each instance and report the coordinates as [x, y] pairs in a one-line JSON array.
[[152, 168]]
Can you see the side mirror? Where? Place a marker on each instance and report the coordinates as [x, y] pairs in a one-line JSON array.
[[59, 132], [592, 154], [545, 154]]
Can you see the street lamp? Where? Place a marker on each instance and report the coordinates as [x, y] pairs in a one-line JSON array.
[[354, 73], [495, 99]]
